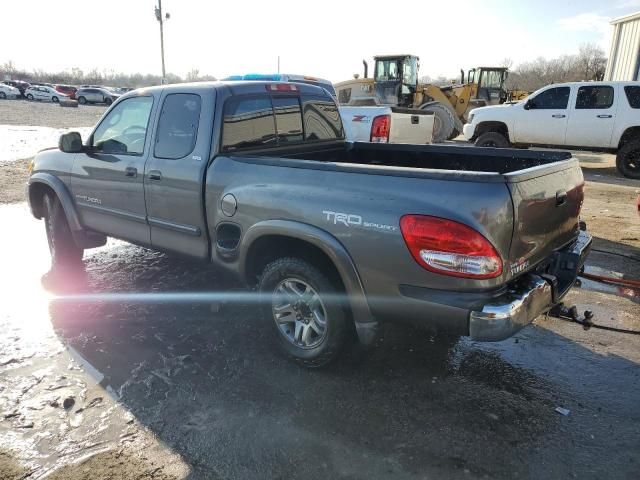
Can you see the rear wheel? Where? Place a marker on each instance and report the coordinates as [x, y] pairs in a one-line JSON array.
[[628, 159], [82, 100], [304, 309], [29, 97], [443, 121], [492, 139], [108, 101], [3, 96], [55, 99], [63, 249]]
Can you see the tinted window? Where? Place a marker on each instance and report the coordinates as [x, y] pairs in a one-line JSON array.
[[633, 95], [321, 118], [248, 122], [178, 126], [288, 119], [551, 99], [124, 129], [594, 97]]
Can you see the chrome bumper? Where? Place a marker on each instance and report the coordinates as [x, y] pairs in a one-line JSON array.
[[508, 313]]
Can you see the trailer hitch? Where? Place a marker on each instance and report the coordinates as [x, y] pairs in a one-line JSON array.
[[571, 313]]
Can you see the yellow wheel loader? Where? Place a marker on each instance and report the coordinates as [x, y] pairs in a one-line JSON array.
[[395, 82]]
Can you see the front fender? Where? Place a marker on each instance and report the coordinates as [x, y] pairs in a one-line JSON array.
[[366, 325], [61, 190]]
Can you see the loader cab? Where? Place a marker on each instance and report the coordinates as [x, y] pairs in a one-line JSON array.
[[490, 84], [396, 79]]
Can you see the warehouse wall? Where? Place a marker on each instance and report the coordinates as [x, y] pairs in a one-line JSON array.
[[624, 58]]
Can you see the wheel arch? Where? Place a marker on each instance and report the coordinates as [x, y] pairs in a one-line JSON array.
[[631, 133], [491, 126], [271, 239]]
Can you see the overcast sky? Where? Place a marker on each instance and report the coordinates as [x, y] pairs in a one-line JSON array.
[[328, 38]]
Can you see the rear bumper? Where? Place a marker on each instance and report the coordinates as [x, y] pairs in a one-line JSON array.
[[531, 295], [504, 316]]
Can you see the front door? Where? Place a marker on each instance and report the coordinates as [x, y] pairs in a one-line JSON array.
[[107, 179], [175, 171], [542, 119], [592, 117]]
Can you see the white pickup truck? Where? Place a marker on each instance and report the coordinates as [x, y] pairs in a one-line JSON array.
[[385, 124], [597, 116]]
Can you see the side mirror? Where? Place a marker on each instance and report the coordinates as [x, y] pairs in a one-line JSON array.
[[70, 143]]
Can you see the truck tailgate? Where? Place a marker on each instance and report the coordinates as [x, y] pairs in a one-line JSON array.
[[546, 206]]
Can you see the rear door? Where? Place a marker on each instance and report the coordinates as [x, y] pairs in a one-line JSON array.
[[592, 117], [174, 174], [107, 179], [542, 119]]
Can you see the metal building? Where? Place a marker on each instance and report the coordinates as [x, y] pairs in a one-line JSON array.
[[624, 57]]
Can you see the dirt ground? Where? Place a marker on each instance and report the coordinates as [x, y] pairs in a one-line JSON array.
[[94, 385], [47, 114]]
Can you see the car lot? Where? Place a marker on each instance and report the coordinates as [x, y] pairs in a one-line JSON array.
[[174, 389]]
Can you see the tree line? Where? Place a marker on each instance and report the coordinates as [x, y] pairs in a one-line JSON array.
[[77, 76]]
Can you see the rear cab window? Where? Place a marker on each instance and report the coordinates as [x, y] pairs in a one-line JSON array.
[[178, 126], [263, 120]]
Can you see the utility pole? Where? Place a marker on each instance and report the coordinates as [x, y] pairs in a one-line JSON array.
[[278, 63], [161, 19]]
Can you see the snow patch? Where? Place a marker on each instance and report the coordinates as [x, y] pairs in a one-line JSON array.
[[19, 142]]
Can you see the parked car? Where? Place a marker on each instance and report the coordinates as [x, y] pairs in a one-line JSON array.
[[45, 93], [96, 95], [257, 178], [67, 90], [19, 84], [7, 91], [598, 116], [381, 124]]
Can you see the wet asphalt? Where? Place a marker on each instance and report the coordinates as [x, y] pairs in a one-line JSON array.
[[203, 379]]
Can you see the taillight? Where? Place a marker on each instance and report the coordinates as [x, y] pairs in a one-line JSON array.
[[380, 129], [450, 248]]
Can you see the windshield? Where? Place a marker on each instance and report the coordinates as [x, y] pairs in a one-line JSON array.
[[387, 70]]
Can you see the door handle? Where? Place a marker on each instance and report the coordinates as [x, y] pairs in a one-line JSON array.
[[155, 175], [131, 172], [605, 116], [558, 116]]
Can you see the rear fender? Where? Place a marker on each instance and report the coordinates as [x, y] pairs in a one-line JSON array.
[[366, 325]]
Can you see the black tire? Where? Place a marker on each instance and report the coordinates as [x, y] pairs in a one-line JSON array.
[[29, 97], [444, 121], [82, 100], [454, 134], [492, 139], [108, 101], [3, 96], [329, 346], [63, 249], [55, 99], [628, 159]]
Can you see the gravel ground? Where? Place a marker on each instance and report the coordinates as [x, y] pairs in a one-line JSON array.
[[46, 114], [157, 390]]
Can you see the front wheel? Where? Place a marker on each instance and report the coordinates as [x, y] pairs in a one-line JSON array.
[[628, 159], [108, 101], [492, 139], [63, 248], [55, 99], [82, 100], [3, 96], [305, 310], [29, 97]]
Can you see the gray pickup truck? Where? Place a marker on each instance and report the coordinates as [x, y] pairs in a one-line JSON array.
[[333, 237]]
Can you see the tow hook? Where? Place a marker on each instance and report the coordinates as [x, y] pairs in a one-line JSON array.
[[571, 313]]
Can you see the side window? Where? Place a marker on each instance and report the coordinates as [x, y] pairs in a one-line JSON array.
[[124, 130], [321, 119], [178, 126], [551, 99], [248, 122], [633, 95], [594, 97], [288, 119]]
